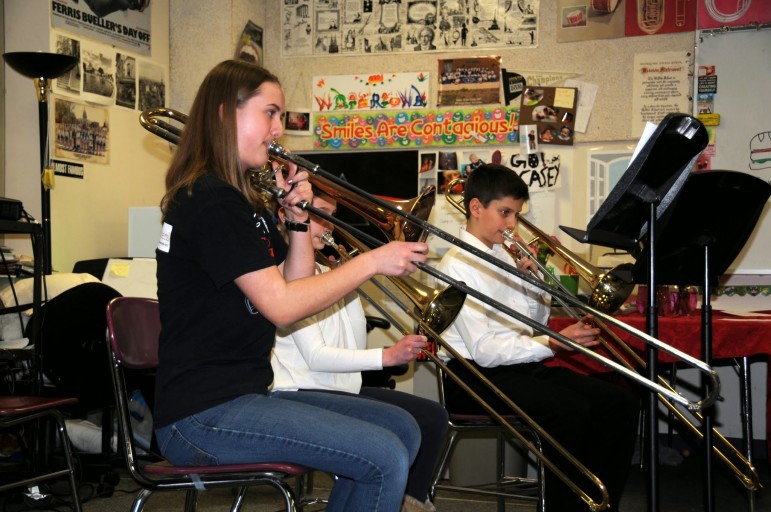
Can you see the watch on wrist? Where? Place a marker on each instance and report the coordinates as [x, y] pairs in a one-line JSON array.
[[297, 226]]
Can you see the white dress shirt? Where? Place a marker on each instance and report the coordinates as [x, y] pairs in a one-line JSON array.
[[482, 333], [325, 351]]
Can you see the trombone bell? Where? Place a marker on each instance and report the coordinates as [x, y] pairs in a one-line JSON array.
[[609, 291], [436, 308]]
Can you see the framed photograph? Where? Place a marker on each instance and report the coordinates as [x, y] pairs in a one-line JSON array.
[[298, 122]]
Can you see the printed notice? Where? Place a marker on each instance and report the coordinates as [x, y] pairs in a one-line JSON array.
[[121, 23], [660, 87]]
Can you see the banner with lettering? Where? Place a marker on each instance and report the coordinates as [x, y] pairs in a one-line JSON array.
[[374, 91], [394, 130]]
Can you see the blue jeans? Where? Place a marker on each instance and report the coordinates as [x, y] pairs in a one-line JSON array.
[[368, 445]]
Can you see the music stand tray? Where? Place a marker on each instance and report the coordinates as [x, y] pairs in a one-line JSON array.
[[654, 176]]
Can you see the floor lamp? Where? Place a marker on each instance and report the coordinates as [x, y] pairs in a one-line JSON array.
[[42, 67]]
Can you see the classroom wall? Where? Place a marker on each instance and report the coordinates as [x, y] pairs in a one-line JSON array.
[[202, 34], [89, 217], [607, 63]]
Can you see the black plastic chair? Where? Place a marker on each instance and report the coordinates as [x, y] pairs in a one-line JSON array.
[[72, 334], [134, 325], [517, 489]]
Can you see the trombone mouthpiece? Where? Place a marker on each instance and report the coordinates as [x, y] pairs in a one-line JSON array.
[[276, 149], [328, 239]]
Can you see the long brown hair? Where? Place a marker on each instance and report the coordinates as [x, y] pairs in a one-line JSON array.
[[209, 142]]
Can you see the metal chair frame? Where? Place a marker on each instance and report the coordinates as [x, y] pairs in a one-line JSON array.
[[18, 410], [516, 489], [133, 318]]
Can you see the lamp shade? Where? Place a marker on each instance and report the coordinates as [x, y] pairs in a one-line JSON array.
[[40, 64]]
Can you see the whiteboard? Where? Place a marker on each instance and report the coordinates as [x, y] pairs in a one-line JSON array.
[[144, 231], [742, 61]]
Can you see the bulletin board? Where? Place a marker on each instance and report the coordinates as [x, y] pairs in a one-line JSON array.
[[742, 141]]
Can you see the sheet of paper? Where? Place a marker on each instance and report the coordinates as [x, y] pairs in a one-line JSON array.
[[647, 133], [587, 93], [132, 278]]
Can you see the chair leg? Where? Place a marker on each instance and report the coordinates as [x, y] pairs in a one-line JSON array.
[[65, 441], [58, 420], [443, 460], [191, 500], [239, 499], [500, 469], [140, 500], [541, 470]]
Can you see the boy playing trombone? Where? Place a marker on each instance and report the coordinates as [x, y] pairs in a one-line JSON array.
[[594, 420]]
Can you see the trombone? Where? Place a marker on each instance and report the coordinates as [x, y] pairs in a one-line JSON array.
[[263, 179], [281, 155], [608, 293], [341, 189], [447, 300]]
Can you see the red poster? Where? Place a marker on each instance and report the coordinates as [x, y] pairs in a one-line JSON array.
[[732, 13], [651, 17]]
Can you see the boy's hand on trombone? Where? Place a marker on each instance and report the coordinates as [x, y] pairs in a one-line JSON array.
[[525, 262], [404, 350], [398, 258], [582, 332]]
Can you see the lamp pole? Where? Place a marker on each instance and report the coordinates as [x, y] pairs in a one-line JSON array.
[[42, 67]]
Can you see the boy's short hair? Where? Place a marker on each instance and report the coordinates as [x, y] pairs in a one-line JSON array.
[[489, 182]]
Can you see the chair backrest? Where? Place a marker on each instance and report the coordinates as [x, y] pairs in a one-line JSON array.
[[134, 326]]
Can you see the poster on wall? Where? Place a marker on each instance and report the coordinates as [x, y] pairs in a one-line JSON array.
[[249, 46], [370, 91], [98, 73], [645, 18], [444, 168], [124, 24], [540, 171], [732, 13], [70, 81], [586, 20], [81, 132], [469, 81], [661, 86], [297, 122], [126, 74], [152, 85], [400, 130], [549, 113], [357, 27]]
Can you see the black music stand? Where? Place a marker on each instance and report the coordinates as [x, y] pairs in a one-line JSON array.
[[630, 214], [714, 235]]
